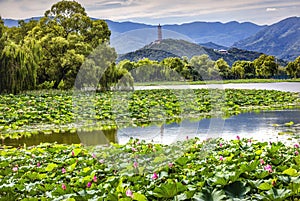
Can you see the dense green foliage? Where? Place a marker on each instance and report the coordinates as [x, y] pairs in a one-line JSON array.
[[47, 112], [216, 170], [49, 53]]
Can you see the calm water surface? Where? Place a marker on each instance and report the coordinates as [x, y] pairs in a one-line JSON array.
[[248, 125]]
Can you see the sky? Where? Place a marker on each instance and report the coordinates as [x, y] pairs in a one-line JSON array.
[[262, 12]]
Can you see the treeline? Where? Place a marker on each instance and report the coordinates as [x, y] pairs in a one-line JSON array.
[[203, 68], [66, 49]]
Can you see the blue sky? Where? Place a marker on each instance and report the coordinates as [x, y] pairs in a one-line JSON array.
[[166, 11]]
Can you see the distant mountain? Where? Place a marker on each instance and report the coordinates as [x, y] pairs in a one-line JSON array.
[[180, 48], [214, 46], [130, 36], [221, 33], [281, 39]]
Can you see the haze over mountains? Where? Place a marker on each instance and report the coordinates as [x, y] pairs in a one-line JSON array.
[[281, 39]]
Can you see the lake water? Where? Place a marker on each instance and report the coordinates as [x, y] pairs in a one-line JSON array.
[[280, 86], [258, 126], [249, 125]]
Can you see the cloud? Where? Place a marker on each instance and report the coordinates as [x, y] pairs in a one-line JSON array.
[[151, 11], [271, 9]]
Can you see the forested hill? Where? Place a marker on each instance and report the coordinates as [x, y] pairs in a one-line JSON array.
[[281, 39], [180, 48]]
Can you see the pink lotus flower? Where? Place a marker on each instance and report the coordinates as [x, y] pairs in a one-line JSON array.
[[296, 153], [63, 170], [89, 184], [94, 155], [261, 161], [129, 193], [249, 140], [238, 137], [133, 149], [187, 137], [135, 164], [63, 186], [296, 145], [73, 153], [38, 164], [101, 161], [221, 145], [170, 165], [154, 176], [15, 169], [268, 168], [95, 179], [221, 158]]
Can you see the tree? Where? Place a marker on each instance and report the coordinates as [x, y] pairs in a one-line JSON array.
[[200, 66], [18, 66], [265, 66], [67, 35], [293, 68], [223, 68], [237, 70], [17, 34], [248, 66]]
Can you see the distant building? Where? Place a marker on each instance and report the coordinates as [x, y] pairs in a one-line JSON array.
[[223, 51], [159, 34]]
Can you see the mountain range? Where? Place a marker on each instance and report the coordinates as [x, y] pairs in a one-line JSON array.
[[281, 39]]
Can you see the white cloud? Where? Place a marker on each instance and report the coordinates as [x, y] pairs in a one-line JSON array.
[[150, 11], [271, 9]]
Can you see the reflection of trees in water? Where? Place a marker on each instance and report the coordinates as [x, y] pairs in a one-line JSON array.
[[86, 138], [98, 137]]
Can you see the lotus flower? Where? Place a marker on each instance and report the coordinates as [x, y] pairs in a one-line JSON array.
[[38, 164], [238, 137], [170, 165], [221, 158], [63, 186], [129, 193], [89, 184], [135, 164], [73, 153], [15, 169], [262, 161], [94, 155], [221, 145], [268, 168], [296, 145], [95, 179], [154, 176], [63, 170], [296, 153]]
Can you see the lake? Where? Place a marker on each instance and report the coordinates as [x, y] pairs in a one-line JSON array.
[[280, 86], [259, 126]]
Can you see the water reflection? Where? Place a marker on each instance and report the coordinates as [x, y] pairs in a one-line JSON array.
[[249, 125], [86, 138]]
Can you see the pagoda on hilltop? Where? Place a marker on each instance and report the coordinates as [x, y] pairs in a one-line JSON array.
[[159, 34]]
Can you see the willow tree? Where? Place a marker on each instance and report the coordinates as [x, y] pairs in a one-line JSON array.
[[18, 68]]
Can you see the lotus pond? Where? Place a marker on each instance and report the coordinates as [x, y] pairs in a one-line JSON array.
[[240, 169], [67, 112], [190, 169]]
